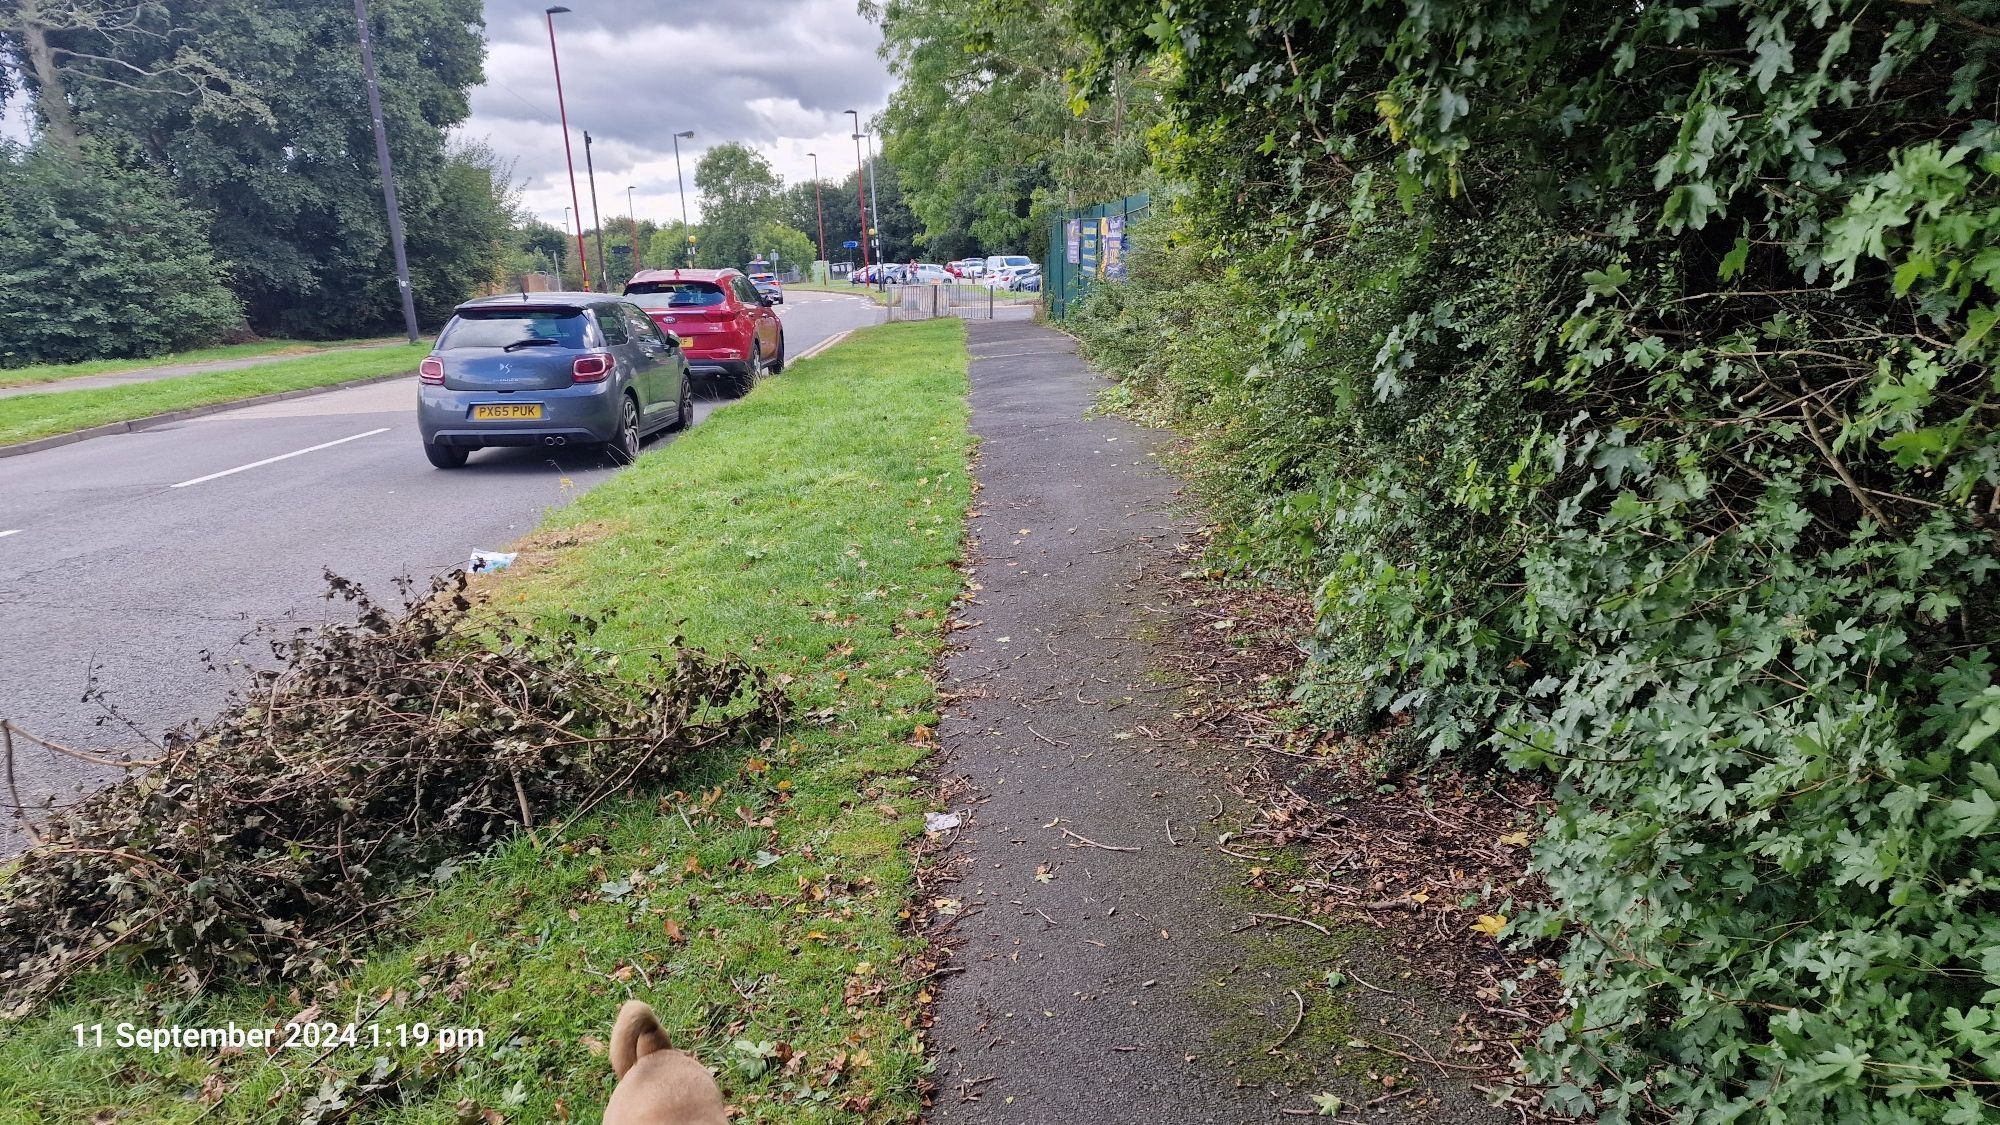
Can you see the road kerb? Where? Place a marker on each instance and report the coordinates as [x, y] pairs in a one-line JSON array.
[[821, 346]]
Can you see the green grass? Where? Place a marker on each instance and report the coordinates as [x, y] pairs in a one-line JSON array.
[[31, 416], [56, 372], [815, 528]]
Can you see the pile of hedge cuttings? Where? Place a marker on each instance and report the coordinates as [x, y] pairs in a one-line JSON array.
[[376, 752]]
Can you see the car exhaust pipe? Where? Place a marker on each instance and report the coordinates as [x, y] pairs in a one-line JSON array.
[[555, 440]]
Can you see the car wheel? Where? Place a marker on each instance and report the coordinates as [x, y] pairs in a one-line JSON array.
[[748, 379], [778, 363], [446, 456], [624, 449], [686, 418]]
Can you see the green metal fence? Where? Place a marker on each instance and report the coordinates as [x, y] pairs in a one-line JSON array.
[[1088, 246]]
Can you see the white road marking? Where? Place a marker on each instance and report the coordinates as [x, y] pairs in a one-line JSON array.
[[284, 456], [13, 531], [822, 345]]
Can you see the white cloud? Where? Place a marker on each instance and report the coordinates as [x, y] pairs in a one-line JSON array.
[[774, 74]]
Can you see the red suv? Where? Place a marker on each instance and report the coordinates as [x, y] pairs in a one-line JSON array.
[[727, 329]]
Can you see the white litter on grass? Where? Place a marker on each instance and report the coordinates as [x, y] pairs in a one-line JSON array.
[[940, 822], [484, 561]]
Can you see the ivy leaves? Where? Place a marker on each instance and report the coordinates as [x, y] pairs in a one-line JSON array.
[[1627, 395]]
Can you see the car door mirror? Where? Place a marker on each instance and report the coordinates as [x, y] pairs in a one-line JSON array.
[[766, 301]]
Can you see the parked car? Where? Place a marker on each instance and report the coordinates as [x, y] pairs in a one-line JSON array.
[[997, 262], [1005, 277], [767, 285], [554, 369], [1028, 280], [725, 325], [926, 273]]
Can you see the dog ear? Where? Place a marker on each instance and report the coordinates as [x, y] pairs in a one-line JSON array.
[[636, 1034]]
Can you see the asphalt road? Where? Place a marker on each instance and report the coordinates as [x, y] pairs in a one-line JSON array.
[[124, 558]]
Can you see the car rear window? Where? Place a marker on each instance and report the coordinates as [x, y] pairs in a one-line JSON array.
[[674, 294], [497, 328]]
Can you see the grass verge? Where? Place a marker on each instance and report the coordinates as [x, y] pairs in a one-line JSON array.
[[815, 527], [57, 372], [30, 416]]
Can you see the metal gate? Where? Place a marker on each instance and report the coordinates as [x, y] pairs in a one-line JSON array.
[[968, 302]]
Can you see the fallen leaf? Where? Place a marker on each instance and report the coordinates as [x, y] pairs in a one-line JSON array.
[[1491, 924], [1516, 839]]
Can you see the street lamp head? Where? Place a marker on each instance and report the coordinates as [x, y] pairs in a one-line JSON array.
[[687, 133], [556, 10]]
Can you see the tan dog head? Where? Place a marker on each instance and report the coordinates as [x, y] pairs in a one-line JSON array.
[[657, 1085]]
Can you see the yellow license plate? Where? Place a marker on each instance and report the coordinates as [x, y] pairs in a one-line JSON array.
[[506, 411]]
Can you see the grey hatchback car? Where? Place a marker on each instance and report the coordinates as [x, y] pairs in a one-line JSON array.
[[551, 369]]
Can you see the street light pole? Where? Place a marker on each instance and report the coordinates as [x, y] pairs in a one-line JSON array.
[[860, 197], [632, 213], [687, 232], [874, 197], [582, 258], [589, 170], [818, 209], [388, 173]]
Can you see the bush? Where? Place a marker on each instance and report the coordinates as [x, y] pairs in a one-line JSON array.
[[1628, 399], [100, 262]]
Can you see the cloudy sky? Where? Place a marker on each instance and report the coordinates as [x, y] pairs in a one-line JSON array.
[[773, 74]]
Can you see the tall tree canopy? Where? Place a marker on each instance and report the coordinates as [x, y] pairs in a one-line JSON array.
[[254, 112], [739, 193], [986, 134]]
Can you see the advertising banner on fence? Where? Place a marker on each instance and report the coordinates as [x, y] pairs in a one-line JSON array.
[[1075, 236], [1113, 252]]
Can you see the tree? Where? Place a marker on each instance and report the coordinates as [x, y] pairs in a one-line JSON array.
[[294, 198], [97, 260], [669, 247], [985, 132], [71, 49], [739, 193], [785, 247]]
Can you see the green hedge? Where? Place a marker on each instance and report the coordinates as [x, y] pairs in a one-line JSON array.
[[1620, 376], [100, 262]]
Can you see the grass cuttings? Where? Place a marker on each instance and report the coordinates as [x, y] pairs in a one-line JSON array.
[[814, 528], [45, 414]]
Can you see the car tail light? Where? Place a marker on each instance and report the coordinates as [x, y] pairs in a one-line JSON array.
[[431, 370], [719, 314], [590, 368]]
